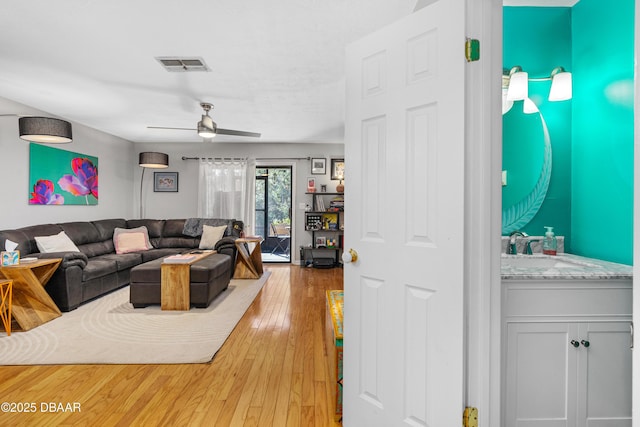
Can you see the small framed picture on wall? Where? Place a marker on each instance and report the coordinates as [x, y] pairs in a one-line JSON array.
[[337, 169], [165, 182], [318, 166], [311, 185]]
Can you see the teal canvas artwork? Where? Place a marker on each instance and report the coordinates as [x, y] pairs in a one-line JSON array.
[[59, 177]]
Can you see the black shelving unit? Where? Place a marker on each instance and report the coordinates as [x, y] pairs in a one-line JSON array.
[[325, 223]]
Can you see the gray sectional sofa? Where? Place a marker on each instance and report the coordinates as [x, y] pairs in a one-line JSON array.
[[96, 269]]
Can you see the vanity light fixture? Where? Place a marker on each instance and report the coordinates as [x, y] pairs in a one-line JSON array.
[[44, 129], [517, 84], [561, 85]]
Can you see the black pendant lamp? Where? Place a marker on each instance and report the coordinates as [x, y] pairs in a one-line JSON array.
[[45, 129]]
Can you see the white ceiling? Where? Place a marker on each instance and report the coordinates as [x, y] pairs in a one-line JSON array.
[[277, 67]]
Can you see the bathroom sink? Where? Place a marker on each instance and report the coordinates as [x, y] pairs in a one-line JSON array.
[[561, 267], [543, 262]]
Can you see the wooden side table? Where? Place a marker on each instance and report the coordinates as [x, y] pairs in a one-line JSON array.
[[175, 282], [5, 304], [31, 304], [248, 262]]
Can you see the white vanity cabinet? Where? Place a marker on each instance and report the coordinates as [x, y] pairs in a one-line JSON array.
[[566, 352]]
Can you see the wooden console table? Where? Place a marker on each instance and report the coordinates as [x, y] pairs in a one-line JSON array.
[[175, 281], [32, 306], [248, 262]]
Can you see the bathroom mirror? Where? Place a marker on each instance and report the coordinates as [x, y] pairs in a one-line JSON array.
[[526, 158]]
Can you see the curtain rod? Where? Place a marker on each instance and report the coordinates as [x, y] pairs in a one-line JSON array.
[[244, 158]]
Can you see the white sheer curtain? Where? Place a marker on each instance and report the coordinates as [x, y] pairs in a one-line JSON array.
[[227, 189]]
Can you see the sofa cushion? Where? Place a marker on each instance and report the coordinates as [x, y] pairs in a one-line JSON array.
[[156, 253], [127, 240], [57, 243], [173, 228], [81, 233], [26, 236], [99, 266], [154, 226], [211, 236], [193, 226], [106, 227], [98, 248], [25, 245], [172, 236], [124, 261]]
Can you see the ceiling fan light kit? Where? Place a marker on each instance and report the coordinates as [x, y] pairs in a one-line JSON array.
[[205, 132], [207, 128]]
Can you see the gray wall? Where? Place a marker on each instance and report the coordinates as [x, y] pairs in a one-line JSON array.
[[115, 164], [183, 204]]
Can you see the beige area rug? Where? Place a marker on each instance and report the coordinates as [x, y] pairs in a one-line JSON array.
[[110, 331]]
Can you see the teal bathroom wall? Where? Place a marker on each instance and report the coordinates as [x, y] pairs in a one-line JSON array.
[[602, 129], [538, 39], [590, 197]]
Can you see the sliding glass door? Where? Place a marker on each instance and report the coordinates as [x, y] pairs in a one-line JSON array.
[[273, 212]]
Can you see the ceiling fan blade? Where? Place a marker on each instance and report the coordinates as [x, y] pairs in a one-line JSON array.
[[236, 132], [164, 127]]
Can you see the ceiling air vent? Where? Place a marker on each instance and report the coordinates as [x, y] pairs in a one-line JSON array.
[[176, 64]]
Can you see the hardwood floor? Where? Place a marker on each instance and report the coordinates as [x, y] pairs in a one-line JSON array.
[[272, 371]]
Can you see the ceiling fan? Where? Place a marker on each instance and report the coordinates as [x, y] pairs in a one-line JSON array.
[[207, 128]]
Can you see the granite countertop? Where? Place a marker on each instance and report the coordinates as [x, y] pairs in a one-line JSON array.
[[561, 267]]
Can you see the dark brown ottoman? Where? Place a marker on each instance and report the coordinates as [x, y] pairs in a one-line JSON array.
[[209, 277]]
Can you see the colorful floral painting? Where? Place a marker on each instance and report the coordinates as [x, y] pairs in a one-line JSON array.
[[59, 177]]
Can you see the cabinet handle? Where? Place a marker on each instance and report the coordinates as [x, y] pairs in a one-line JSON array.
[[585, 343], [575, 343], [631, 337]]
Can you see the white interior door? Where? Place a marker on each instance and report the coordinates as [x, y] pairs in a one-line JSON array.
[[403, 308]]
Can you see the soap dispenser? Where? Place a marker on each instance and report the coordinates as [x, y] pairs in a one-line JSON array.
[[550, 242]]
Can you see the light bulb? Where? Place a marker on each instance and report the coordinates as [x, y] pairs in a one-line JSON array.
[[561, 85], [518, 86]]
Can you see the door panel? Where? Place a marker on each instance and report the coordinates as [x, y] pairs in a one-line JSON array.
[[403, 308], [605, 375], [541, 375], [373, 170]]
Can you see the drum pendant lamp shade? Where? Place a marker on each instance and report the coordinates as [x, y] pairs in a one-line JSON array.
[[152, 159], [45, 129]]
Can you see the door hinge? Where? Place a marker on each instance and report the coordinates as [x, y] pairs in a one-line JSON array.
[[470, 417], [472, 49]]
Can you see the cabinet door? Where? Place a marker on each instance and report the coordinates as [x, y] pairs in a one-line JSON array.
[[604, 375], [540, 375]]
